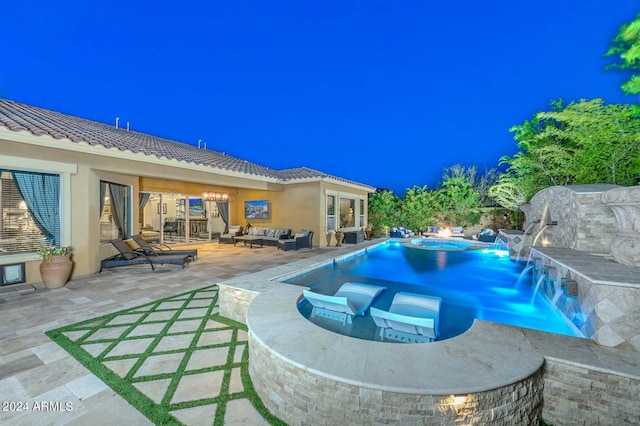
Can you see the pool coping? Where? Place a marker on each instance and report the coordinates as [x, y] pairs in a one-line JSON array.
[[572, 351], [485, 357]]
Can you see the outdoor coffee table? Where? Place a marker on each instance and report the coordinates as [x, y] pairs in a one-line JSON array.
[[248, 239]]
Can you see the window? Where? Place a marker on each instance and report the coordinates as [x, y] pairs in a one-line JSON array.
[[362, 214], [115, 211], [347, 212], [30, 211], [331, 213]]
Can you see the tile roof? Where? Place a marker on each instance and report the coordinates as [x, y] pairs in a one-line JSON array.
[[17, 117]]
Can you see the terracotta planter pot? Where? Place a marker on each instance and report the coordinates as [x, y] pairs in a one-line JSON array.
[[339, 238], [367, 233], [55, 271]]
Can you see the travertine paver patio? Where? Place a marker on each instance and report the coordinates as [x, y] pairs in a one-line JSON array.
[[33, 369]]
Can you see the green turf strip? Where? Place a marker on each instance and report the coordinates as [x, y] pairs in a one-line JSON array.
[[96, 343]]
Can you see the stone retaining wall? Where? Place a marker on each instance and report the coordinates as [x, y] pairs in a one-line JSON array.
[[299, 397], [234, 302], [583, 396], [582, 221]]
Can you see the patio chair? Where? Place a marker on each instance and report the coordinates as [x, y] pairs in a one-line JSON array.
[[299, 241], [160, 249], [350, 300], [127, 256], [400, 232], [411, 318], [170, 227], [234, 231]]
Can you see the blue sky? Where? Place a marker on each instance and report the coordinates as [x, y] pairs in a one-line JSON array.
[[386, 93]]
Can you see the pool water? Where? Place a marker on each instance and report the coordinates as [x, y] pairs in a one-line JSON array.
[[481, 284], [442, 243]]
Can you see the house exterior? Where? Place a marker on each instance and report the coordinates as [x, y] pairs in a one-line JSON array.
[[68, 181]]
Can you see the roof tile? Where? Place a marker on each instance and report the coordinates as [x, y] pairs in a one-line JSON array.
[[17, 116]]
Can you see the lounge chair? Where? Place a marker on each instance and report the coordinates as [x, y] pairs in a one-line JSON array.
[[411, 318], [301, 240], [127, 256], [160, 249], [350, 300]]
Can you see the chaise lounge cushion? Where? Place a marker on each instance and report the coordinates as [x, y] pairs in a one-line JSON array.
[[409, 314], [137, 243], [350, 300]]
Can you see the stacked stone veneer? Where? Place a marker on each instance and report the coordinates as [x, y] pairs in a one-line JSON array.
[[582, 220], [299, 397], [609, 313], [234, 302], [577, 395], [625, 204], [570, 394]]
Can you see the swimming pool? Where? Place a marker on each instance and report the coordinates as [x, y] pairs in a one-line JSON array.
[[443, 243], [482, 284]]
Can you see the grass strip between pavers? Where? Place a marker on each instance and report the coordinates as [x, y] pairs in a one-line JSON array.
[[160, 413]]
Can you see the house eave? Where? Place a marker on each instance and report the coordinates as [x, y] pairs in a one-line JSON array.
[[47, 141]]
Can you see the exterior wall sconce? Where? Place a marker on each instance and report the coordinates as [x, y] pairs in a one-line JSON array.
[[215, 196], [570, 287]]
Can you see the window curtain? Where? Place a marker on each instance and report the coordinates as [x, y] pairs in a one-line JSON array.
[[119, 207], [41, 193], [103, 192], [144, 197], [223, 209]]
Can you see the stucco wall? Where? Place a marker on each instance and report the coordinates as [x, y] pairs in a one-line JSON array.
[[296, 206]]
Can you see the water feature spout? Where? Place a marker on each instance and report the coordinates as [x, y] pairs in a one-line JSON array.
[[523, 274], [527, 231], [541, 279], [540, 232]]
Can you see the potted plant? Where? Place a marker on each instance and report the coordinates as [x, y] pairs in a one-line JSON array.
[[56, 266], [339, 237]]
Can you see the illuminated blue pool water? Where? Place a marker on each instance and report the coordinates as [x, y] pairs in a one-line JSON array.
[[473, 284], [442, 243]]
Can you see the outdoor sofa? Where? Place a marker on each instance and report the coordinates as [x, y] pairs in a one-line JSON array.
[[301, 240], [400, 232], [270, 236]]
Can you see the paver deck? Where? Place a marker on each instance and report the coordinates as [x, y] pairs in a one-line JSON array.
[[34, 369]]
